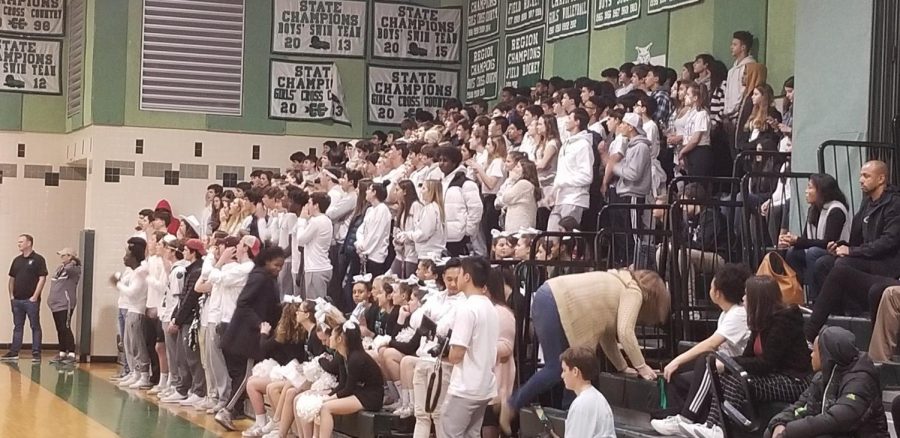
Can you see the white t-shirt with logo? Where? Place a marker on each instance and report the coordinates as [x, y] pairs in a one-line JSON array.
[[475, 328], [733, 327]]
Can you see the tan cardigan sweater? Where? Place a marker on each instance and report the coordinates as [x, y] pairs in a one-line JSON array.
[[601, 308]]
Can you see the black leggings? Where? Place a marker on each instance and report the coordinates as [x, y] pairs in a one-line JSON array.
[[63, 320]]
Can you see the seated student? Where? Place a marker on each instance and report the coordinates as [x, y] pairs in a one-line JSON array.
[[886, 326], [408, 298], [702, 234], [844, 399], [590, 415], [828, 221], [590, 309], [874, 245], [776, 357], [360, 384], [285, 345], [503, 245], [312, 347], [687, 373]]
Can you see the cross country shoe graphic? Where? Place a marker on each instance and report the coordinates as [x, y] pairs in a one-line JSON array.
[[316, 43], [415, 50], [12, 82]]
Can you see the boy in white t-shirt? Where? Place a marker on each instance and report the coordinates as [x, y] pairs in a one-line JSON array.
[[589, 415], [473, 352], [687, 374]]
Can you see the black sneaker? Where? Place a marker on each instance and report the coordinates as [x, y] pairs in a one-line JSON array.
[[10, 356], [36, 359], [57, 360]]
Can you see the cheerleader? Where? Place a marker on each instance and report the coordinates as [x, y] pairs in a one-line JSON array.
[[360, 384]]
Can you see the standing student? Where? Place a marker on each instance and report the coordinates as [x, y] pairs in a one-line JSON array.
[[256, 304], [428, 234], [133, 285], [373, 236], [408, 207], [27, 276], [63, 295], [695, 153], [314, 233], [462, 203], [473, 351], [574, 172], [741, 43]]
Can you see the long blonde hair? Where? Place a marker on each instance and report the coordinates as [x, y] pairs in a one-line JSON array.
[[760, 113], [435, 190], [499, 143]]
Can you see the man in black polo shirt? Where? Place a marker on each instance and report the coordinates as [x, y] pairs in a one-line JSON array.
[[27, 276]]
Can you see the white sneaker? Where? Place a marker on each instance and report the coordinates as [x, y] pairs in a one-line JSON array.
[[129, 380], [702, 431], [190, 401], [173, 398], [216, 408], [157, 389], [273, 434], [393, 406], [253, 431], [270, 426], [163, 394], [142, 383], [404, 412], [207, 403], [669, 426]]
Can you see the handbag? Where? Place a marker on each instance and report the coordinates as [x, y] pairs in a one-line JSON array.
[[773, 265]]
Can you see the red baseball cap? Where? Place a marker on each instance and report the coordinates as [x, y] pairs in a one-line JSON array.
[[196, 245]]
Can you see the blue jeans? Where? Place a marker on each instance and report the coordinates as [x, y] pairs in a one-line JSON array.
[[804, 261], [21, 309], [553, 341], [122, 313]]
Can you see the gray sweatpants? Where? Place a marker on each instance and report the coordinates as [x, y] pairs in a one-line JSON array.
[[462, 418], [191, 376], [135, 345], [316, 284], [286, 279], [217, 369], [173, 356]]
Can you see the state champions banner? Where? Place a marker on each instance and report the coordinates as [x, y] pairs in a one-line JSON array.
[[303, 90], [319, 28], [30, 65], [413, 32], [33, 17], [396, 93]]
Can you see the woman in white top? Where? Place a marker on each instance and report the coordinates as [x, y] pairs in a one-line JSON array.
[[428, 234], [695, 155], [490, 176], [520, 199], [373, 236], [408, 206], [646, 107]]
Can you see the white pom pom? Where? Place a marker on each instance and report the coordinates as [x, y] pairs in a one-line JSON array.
[[405, 335], [307, 406], [326, 383], [312, 370], [380, 341], [293, 373], [367, 343], [264, 368]]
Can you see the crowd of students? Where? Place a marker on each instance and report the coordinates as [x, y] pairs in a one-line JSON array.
[[361, 279]]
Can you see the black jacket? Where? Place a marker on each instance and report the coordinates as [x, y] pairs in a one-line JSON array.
[[707, 232], [257, 303], [188, 307], [843, 400], [783, 344], [875, 231]]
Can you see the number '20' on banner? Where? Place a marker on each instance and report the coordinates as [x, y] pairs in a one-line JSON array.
[[304, 90], [397, 93]]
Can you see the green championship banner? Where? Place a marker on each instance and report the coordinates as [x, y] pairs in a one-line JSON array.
[[483, 20], [483, 71], [319, 28], [613, 12], [654, 6], [33, 17], [30, 65], [303, 90], [417, 33], [524, 58], [567, 17], [396, 93], [521, 13]]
